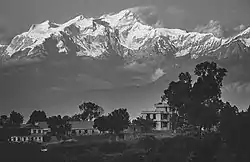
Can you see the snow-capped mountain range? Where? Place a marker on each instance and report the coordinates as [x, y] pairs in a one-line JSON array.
[[123, 34]]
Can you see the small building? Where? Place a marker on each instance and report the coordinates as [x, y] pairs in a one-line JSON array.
[[30, 132], [161, 116], [79, 128]]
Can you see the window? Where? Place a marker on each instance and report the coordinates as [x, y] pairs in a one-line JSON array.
[[39, 131], [148, 116], [86, 131], [80, 131], [164, 124], [164, 116], [154, 116]]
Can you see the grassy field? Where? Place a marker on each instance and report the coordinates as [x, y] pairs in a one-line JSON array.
[[100, 149]]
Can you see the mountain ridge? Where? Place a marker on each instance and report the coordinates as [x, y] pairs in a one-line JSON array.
[[123, 34]]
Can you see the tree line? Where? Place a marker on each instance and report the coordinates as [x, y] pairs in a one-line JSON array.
[[114, 122]]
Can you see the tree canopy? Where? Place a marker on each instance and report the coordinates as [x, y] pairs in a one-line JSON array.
[[102, 123], [37, 116], [197, 103], [119, 120], [114, 122], [15, 119], [90, 110]]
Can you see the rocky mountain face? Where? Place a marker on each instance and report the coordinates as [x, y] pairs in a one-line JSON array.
[[124, 35]]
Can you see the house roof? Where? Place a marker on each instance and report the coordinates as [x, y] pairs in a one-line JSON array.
[[43, 125], [26, 126], [29, 126], [153, 112], [82, 124]]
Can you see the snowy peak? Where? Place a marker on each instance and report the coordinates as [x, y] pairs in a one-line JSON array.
[[124, 34]]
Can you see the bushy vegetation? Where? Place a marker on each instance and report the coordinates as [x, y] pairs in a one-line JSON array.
[[177, 149]]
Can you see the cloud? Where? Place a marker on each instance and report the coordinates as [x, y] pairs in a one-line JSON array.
[[93, 83], [240, 28], [6, 35], [142, 68], [174, 17], [218, 30], [158, 73], [237, 87], [174, 10], [213, 27], [149, 15], [56, 89]]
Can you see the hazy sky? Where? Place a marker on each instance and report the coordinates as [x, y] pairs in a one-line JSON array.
[[17, 16]]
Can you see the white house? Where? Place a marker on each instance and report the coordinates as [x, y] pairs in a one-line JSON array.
[[29, 132], [161, 116]]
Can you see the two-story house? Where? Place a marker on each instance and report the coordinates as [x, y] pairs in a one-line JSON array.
[[30, 132], [161, 116]]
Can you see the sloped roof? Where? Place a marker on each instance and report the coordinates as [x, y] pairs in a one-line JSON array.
[[82, 124], [27, 126], [43, 125]]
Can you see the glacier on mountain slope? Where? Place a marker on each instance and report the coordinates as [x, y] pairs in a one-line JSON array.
[[123, 33]]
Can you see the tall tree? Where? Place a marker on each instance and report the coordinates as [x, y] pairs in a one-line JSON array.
[[197, 103], [15, 119], [178, 94], [37, 116], [209, 82], [90, 110], [119, 120], [206, 93]]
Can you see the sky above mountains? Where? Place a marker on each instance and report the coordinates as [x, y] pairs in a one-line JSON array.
[[17, 16], [30, 90]]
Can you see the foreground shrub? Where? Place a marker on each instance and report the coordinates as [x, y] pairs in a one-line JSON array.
[[148, 143]]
